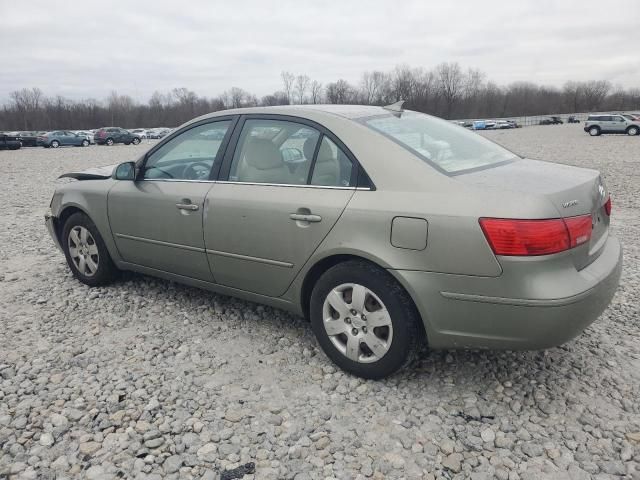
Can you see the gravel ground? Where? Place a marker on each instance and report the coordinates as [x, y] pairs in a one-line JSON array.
[[149, 379]]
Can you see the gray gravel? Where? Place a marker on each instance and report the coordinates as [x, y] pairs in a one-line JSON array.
[[149, 379]]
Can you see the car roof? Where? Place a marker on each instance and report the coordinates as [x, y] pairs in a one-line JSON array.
[[345, 111]]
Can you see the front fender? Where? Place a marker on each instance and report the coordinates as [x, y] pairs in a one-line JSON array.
[[89, 197]]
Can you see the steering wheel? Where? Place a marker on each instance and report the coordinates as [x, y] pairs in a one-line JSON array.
[[196, 171]]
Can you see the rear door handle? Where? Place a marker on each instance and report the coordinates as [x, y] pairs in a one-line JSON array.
[[187, 206], [300, 217]]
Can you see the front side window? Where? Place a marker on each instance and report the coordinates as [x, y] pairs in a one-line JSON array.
[[189, 156], [447, 147], [274, 151]]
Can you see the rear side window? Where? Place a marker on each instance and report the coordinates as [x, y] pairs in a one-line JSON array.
[[445, 146], [332, 167], [274, 151]]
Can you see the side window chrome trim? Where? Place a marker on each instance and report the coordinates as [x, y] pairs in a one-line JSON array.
[[303, 185], [326, 187]]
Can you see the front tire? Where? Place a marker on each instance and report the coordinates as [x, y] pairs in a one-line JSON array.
[[594, 131], [632, 131], [109, 142], [55, 144], [135, 141], [86, 252], [85, 143], [365, 322]]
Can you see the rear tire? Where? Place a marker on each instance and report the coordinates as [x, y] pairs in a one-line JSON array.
[[135, 141], [109, 142], [85, 251], [85, 143], [632, 131], [55, 144], [594, 131], [374, 329]]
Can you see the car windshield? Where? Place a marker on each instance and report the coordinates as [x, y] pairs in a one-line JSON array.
[[447, 147]]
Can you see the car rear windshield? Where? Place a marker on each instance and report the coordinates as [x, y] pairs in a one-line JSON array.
[[449, 148]]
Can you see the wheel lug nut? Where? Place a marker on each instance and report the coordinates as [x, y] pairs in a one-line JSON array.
[[364, 329], [347, 320], [363, 317], [354, 331], [353, 312]]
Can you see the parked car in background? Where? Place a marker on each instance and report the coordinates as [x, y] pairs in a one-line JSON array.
[[504, 124], [86, 133], [611, 123], [572, 119], [152, 133], [62, 138], [551, 121], [141, 132], [112, 135], [28, 139], [9, 142], [634, 117], [446, 244], [164, 132]]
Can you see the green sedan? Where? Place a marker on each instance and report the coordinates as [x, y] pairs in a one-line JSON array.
[[387, 229]]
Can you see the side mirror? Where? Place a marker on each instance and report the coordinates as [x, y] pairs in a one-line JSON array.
[[126, 171]]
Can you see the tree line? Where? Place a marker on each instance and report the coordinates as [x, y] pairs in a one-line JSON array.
[[448, 91]]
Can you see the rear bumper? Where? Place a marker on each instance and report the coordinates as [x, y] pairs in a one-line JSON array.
[[530, 306]]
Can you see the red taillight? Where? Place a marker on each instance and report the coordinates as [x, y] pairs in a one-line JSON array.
[[579, 229], [515, 237], [607, 207]]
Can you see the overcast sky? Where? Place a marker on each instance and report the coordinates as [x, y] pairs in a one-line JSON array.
[[86, 49]]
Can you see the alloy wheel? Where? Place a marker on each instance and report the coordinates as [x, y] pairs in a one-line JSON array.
[[357, 323], [83, 251]]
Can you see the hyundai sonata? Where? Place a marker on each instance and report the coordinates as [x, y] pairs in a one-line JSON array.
[[386, 228]]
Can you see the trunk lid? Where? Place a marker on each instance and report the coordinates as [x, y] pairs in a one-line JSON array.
[[573, 191]]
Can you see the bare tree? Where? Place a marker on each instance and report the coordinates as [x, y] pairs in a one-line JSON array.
[[341, 92], [287, 83], [27, 102], [302, 83], [372, 85], [451, 83], [316, 92], [594, 92], [277, 98]]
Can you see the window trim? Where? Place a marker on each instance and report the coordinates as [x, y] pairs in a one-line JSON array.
[[220, 155], [356, 177]]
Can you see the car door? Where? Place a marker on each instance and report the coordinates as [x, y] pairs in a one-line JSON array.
[[72, 138], [156, 220], [618, 123], [272, 206]]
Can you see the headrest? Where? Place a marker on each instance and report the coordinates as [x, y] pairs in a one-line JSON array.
[[325, 154], [309, 147], [262, 154]]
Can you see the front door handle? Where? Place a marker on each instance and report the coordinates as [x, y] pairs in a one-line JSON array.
[[300, 217], [187, 206]]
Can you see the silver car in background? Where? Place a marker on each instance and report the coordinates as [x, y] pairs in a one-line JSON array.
[[388, 229]]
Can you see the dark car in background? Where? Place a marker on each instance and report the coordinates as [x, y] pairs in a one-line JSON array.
[[573, 119], [112, 135], [29, 139], [62, 138], [9, 142], [551, 121]]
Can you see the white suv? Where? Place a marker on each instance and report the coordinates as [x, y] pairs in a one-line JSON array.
[[611, 123]]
